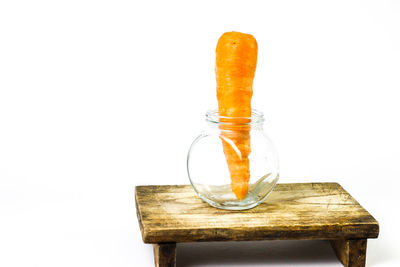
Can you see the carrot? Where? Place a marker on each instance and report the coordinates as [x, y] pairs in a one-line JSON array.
[[236, 60]]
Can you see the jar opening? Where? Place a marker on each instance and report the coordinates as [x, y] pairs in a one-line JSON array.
[[257, 117]]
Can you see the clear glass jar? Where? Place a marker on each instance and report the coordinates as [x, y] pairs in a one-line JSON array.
[[207, 162]]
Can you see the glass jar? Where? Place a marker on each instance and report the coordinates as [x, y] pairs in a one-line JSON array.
[[211, 169]]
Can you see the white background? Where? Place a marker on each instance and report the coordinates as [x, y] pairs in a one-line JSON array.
[[99, 96]]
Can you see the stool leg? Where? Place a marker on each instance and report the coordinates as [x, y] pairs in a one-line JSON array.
[[165, 254], [351, 252]]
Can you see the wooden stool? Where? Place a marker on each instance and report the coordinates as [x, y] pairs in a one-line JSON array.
[[174, 213]]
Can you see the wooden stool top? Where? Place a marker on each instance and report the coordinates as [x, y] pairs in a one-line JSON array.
[[174, 213]]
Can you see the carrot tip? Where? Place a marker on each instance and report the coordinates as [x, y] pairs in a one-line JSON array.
[[240, 190]]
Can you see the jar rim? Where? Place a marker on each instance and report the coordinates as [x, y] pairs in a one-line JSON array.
[[256, 118]]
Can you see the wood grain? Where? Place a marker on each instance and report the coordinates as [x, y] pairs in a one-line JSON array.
[[292, 211], [352, 253], [164, 254]]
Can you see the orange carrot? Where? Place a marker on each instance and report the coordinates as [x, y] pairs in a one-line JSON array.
[[236, 60]]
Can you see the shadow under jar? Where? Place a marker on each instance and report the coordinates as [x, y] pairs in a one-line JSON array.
[[207, 166]]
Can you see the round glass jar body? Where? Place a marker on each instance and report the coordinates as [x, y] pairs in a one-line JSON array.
[[207, 161]]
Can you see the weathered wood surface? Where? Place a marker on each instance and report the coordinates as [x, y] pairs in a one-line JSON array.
[[164, 254], [292, 211], [352, 253]]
